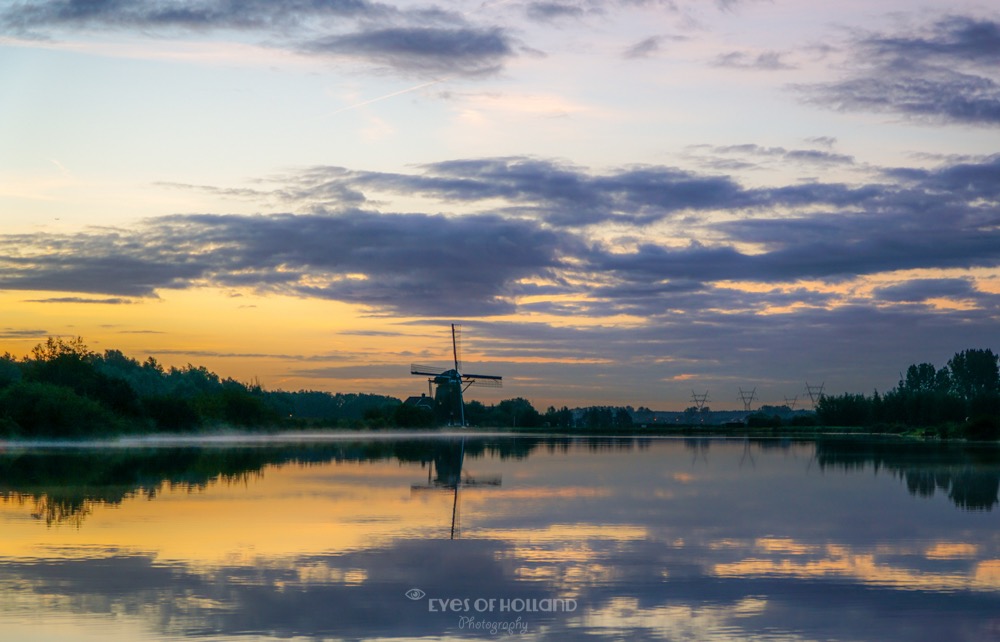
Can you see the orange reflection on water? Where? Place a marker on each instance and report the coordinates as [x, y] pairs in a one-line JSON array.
[[952, 550], [283, 512], [842, 561]]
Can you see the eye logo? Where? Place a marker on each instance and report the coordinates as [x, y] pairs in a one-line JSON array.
[[415, 594]]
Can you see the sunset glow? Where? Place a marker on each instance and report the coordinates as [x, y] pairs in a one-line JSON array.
[[618, 200]]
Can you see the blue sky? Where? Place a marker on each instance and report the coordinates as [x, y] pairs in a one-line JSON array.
[[621, 201]]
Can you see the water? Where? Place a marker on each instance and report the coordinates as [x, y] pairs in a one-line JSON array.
[[542, 539]]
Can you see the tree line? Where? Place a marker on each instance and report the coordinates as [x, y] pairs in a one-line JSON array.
[[63, 389], [960, 399]]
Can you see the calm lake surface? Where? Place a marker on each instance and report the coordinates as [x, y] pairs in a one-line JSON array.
[[450, 538]]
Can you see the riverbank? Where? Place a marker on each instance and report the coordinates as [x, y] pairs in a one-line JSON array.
[[228, 435]]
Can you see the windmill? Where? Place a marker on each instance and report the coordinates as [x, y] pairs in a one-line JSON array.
[[452, 383]]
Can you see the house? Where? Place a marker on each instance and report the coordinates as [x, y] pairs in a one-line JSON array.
[[423, 401]]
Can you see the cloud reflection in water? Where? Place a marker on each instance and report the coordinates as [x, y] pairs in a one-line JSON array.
[[652, 543]]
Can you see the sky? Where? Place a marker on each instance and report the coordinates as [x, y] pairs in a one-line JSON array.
[[620, 201]]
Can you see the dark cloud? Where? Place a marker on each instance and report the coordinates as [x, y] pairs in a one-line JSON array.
[[919, 290], [843, 247], [566, 196], [41, 16], [853, 347], [535, 240], [561, 194], [422, 41], [956, 38], [934, 94], [944, 73], [414, 263], [970, 182], [424, 50]]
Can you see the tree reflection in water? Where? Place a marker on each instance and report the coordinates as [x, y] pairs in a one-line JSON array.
[[65, 483]]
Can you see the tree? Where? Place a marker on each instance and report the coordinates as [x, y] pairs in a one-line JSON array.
[[412, 416], [10, 371], [518, 413], [974, 374], [55, 347], [844, 410], [926, 378], [562, 418], [622, 418]]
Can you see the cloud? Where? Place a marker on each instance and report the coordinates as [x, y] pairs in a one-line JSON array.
[[42, 16], [797, 156], [12, 333], [78, 299], [765, 61], [644, 48], [547, 11], [563, 195], [954, 38], [933, 94], [406, 263], [541, 234], [558, 193], [946, 72], [421, 41], [424, 50], [919, 290]]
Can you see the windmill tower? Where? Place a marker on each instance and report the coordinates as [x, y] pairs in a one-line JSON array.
[[451, 384]]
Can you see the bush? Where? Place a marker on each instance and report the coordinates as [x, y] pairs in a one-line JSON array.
[[763, 420], [171, 413], [983, 427], [48, 410], [412, 416]]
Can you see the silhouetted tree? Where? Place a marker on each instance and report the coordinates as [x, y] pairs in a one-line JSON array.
[[517, 413], [975, 373], [844, 410], [562, 418]]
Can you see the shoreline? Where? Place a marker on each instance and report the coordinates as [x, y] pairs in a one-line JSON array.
[[232, 437]]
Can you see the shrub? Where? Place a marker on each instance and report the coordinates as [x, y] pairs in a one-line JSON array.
[[171, 413], [47, 410], [983, 427]]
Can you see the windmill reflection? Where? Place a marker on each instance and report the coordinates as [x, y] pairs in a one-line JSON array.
[[446, 473]]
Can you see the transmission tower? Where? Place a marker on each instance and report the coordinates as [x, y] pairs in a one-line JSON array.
[[815, 393], [699, 400], [791, 402], [747, 397]]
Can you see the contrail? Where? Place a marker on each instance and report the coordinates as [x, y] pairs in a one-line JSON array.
[[395, 93]]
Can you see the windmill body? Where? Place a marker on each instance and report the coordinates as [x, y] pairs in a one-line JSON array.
[[452, 383]]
